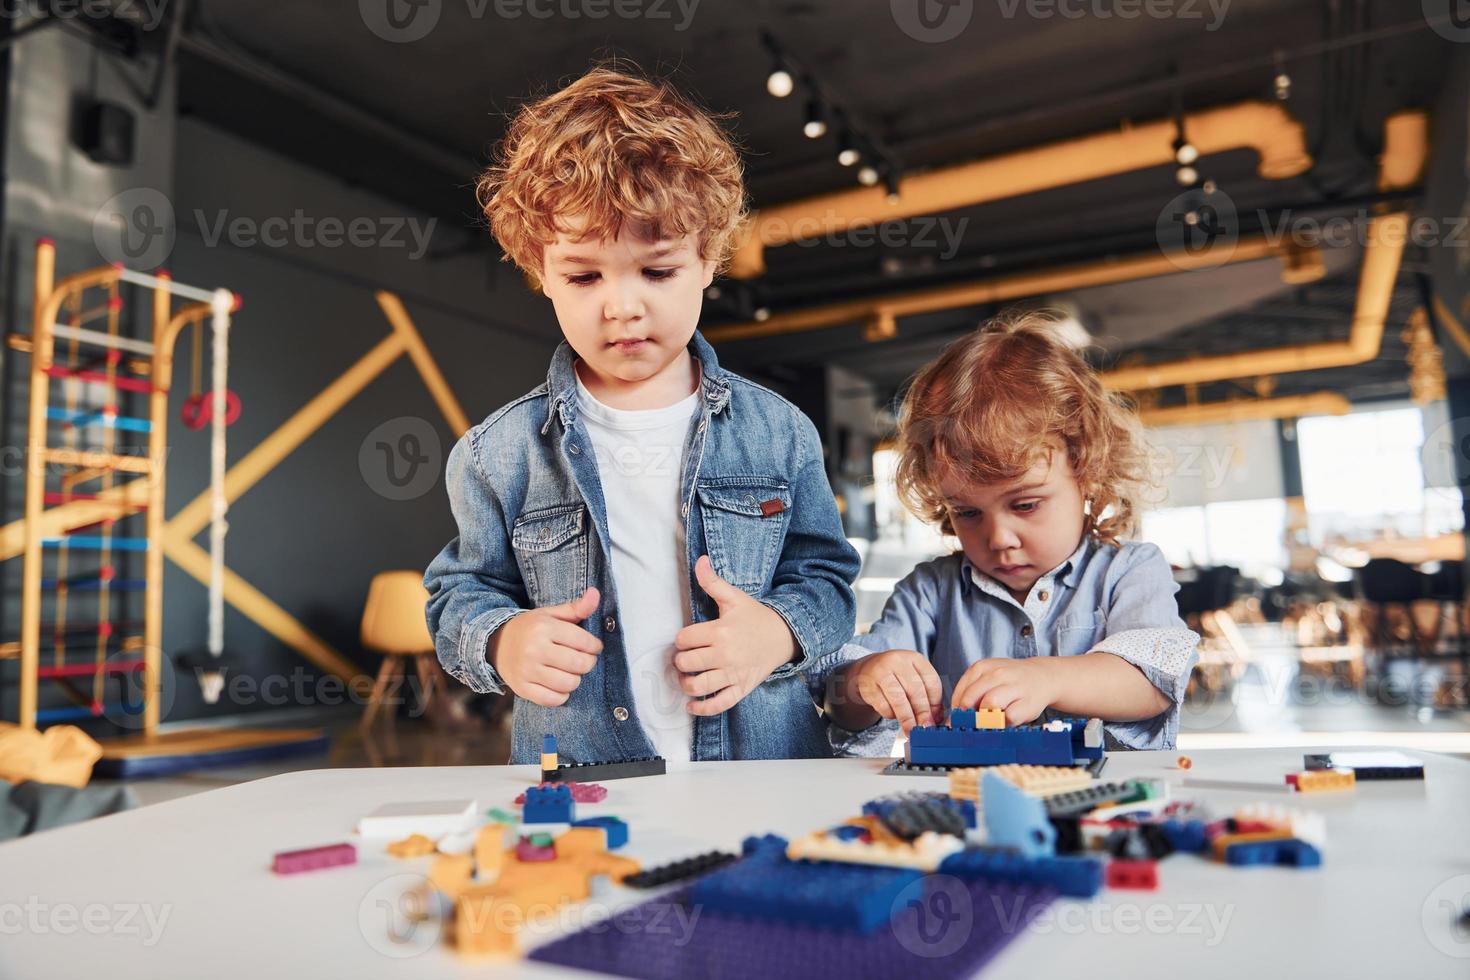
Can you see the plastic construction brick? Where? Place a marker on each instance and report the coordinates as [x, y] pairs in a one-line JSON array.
[[967, 747], [639, 941], [617, 830], [925, 853], [528, 850], [1322, 780], [1014, 818], [1075, 877], [551, 804], [1367, 766], [923, 812], [313, 859], [1143, 875], [691, 867], [840, 896], [1304, 825], [1036, 780], [1080, 801], [902, 767], [581, 792], [1286, 851], [626, 769]]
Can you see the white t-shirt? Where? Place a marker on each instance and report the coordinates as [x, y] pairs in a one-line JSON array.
[[640, 456]]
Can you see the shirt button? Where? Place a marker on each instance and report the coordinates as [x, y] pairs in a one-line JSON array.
[[685, 509], [1043, 595], [1026, 630], [620, 713], [574, 449], [610, 625]]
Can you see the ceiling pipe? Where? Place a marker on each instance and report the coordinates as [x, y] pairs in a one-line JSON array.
[[1018, 286], [1406, 147], [1247, 409], [1264, 127]]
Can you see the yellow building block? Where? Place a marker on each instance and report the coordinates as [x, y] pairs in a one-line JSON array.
[[990, 718], [452, 874], [577, 841], [491, 844], [1323, 780], [416, 845]]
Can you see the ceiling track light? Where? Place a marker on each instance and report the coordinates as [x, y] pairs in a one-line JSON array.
[[868, 175], [847, 151], [815, 126]]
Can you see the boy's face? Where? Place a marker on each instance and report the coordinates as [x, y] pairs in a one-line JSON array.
[[1017, 532], [628, 306]]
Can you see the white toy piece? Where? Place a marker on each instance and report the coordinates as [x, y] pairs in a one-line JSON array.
[[433, 818]]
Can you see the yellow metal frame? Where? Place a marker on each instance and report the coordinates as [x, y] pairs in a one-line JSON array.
[[174, 537]]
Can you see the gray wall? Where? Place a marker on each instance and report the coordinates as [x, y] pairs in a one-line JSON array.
[[312, 533]]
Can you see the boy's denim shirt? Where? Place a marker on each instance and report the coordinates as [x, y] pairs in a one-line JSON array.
[[524, 489], [1105, 598]]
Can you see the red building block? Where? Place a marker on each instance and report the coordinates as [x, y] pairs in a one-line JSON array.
[[1142, 875]]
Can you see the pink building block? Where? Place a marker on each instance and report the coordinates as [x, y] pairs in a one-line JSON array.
[[314, 859], [581, 792]]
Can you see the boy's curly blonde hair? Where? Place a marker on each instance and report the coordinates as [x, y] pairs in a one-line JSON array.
[[612, 147], [996, 402]]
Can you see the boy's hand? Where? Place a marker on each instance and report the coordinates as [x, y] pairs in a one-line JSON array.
[[542, 654], [1023, 689], [899, 685], [729, 656]]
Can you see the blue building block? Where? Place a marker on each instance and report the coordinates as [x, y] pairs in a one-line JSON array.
[[846, 832], [1298, 854], [1014, 818], [1251, 853], [1185, 835], [767, 886], [617, 830], [963, 718], [549, 804], [885, 805], [1077, 877], [1069, 743]]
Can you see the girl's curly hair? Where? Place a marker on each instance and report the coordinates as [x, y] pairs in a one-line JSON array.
[[999, 400]]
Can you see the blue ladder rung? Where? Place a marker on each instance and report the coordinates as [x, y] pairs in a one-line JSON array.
[[125, 422], [46, 716], [91, 541]]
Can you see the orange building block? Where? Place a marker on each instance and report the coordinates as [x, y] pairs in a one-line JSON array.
[[577, 841], [1323, 780], [452, 874], [491, 844], [416, 845], [989, 718]]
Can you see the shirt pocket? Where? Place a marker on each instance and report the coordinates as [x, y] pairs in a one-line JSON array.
[[551, 550], [1077, 632], [743, 529]]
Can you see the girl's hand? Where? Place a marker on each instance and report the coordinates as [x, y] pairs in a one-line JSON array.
[[899, 685], [1023, 689]]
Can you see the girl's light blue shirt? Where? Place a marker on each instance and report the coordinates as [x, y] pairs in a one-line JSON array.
[[1105, 598]]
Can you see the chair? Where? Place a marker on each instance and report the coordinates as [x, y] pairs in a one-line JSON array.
[[393, 625]]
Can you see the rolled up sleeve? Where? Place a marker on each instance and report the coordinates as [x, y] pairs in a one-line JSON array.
[[1144, 628]]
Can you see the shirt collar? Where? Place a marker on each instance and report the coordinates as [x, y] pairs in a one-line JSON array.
[[561, 382], [1069, 572]]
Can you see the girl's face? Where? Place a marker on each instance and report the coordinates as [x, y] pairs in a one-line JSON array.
[[628, 308], [1017, 532]]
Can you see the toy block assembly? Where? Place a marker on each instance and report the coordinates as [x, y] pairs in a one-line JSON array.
[[909, 816], [1367, 766], [313, 859], [581, 792], [962, 743], [925, 853], [627, 769], [1044, 781], [615, 830], [1076, 877], [1082, 800]]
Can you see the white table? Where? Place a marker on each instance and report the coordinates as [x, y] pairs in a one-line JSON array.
[[75, 902]]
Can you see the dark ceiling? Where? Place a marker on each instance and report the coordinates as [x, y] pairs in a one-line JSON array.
[[414, 121]]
